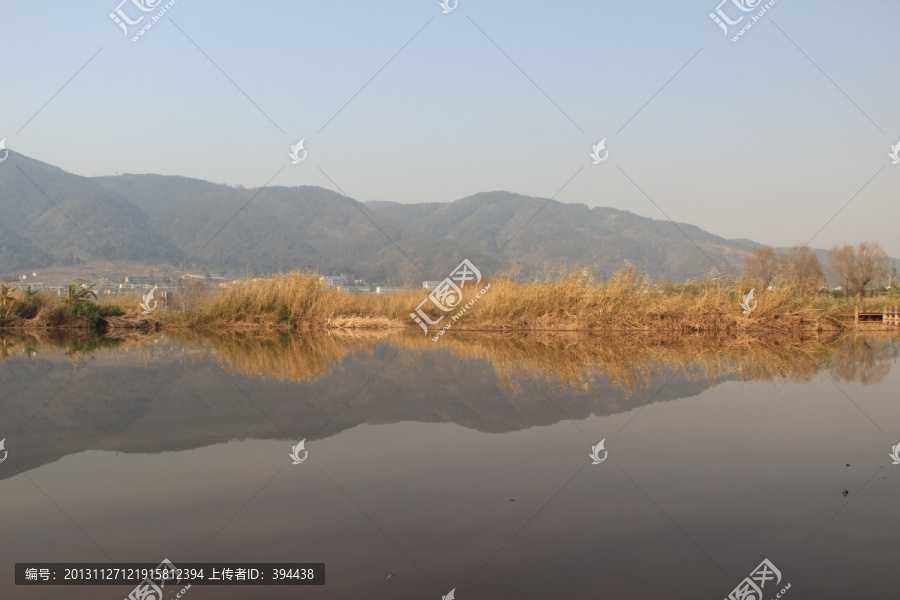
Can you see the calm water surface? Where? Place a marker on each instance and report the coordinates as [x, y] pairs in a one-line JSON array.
[[458, 465]]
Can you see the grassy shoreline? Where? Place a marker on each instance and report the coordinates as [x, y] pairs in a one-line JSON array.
[[568, 301]]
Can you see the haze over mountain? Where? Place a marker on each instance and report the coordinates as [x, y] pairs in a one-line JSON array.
[[49, 217]]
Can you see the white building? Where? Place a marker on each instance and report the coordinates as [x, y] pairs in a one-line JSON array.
[[332, 280]]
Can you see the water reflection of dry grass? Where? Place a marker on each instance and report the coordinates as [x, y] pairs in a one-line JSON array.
[[632, 360], [294, 357], [573, 360]]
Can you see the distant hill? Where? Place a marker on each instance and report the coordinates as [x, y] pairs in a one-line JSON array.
[[569, 234], [48, 209], [158, 220], [20, 252]]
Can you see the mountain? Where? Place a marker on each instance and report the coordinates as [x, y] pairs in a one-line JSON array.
[[281, 228], [49, 217], [20, 252], [570, 234], [57, 216]]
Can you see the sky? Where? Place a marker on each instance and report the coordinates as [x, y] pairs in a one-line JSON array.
[[782, 137]]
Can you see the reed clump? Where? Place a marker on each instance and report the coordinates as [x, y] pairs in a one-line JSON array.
[[630, 301], [295, 301]]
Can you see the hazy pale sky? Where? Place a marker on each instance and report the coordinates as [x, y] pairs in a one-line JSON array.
[[765, 138]]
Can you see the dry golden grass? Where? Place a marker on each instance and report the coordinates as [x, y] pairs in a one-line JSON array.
[[629, 302], [295, 300], [565, 301]]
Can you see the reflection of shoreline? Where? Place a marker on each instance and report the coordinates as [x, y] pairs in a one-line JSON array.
[[169, 395], [629, 359], [572, 359]]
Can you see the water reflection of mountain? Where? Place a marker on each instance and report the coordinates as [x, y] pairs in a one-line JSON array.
[[161, 394]]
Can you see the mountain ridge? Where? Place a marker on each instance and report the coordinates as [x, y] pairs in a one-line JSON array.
[[49, 217]]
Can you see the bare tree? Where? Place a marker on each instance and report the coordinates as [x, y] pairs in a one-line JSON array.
[[854, 268], [189, 293], [408, 274], [801, 265], [761, 265]]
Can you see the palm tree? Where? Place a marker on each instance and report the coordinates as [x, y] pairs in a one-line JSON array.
[[77, 292], [6, 298]]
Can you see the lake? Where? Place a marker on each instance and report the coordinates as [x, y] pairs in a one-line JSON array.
[[460, 465]]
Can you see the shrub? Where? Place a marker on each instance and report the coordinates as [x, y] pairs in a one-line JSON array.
[[110, 310]]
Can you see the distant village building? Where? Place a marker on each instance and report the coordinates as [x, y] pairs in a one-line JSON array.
[[388, 290], [430, 285], [332, 280], [135, 280]]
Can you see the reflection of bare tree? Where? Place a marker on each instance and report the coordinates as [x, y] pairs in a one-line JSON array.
[[863, 359]]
